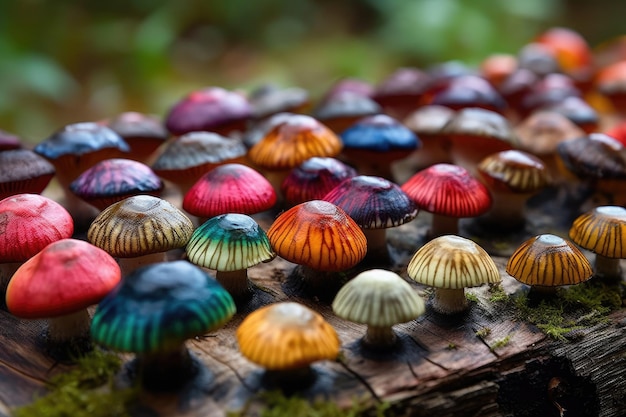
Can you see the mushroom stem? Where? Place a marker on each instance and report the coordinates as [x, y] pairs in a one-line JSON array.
[[379, 336], [443, 225], [68, 327], [235, 282], [449, 301], [128, 265], [608, 269], [377, 249], [166, 370], [507, 210]]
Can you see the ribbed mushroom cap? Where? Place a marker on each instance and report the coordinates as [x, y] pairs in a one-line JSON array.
[[112, 180], [229, 242], [548, 261], [602, 231], [452, 262], [66, 276], [293, 141], [230, 188], [138, 226], [159, 306], [378, 297], [319, 235], [23, 171], [373, 202], [513, 171], [594, 156], [28, 223], [449, 190], [379, 133], [286, 335]]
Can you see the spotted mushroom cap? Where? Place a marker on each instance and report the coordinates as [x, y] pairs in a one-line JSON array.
[[378, 297], [452, 262], [286, 335], [601, 230], [513, 171], [229, 242], [547, 261]]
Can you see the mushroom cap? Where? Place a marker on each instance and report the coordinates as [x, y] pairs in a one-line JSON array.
[[469, 91], [542, 131], [513, 172], [379, 133], [112, 180], [28, 223], [229, 242], [448, 190], [258, 130], [481, 125], [568, 46], [140, 225], [594, 156], [159, 306], [578, 111], [80, 139], [9, 141], [230, 188], [270, 99], [132, 125], [373, 202], [429, 120], [378, 297], [405, 83], [602, 231], [293, 141], [452, 262], [286, 335], [353, 85], [314, 178], [547, 260], [611, 79], [23, 171], [66, 276], [207, 110], [345, 104], [318, 234]]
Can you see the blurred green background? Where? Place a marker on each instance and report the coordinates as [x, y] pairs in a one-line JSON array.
[[67, 61]]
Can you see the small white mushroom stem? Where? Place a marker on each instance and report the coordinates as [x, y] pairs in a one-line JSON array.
[[235, 282], [128, 265], [607, 268], [443, 225], [449, 301], [167, 368], [507, 209], [379, 336], [71, 326], [376, 243]]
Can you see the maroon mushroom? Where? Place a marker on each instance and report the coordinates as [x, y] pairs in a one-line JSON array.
[[23, 171]]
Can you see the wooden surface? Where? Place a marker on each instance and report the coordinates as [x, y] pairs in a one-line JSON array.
[[441, 366]]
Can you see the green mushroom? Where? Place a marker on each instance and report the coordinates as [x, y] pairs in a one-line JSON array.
[[230, 244], [153, 311]]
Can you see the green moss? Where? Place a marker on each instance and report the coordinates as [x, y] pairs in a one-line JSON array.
[[484, 332], [497, 293], [471, 297], [500, 343], [451, 346], [85, 391]]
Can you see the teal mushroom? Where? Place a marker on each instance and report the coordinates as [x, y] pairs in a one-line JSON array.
[[153, 311], [230, 243]]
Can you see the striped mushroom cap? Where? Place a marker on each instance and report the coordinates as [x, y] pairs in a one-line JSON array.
[[286, 335], [513, 171], [547, 261], [602, 231]]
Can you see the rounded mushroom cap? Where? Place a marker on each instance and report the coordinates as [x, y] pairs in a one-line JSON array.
[[379, 133], [229, 242], [66, 276], [159, 306], [513, 171], [318, 234], [28, 223], [373, 202], [469, 90], [548, 261], [346, 104], [23, 171], [429, 119], [448, 190], [270, 99], [452, 262], [286, 335], [79, 139], [594, 156], [602, 231], [140, 225], [134, 125], [9, 141], [230, 188], [378, 297], [481, 123], [542, 131]]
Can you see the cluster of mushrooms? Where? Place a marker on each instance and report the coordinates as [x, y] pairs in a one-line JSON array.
[[150, 208]]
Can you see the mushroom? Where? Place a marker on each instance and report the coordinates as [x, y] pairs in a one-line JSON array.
[[113, 180], [571, 51], [450, 264], [144, 133], [602, 230], [139, 230], [28, 223], [546, 262], [497, 67], [401, 92], [285, 338], [23, 171], [610, 82], [380, 299], [469, 91], [342, 109], [9, 141], [153, 311], [449, 192], [230, 244], [375, 204], [58, 284], [269, 99]]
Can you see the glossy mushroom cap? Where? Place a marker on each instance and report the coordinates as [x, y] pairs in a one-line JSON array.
[[379, 133], [28, 223], [594, 156], [428, 120], [286, 336], [23, 171], [341, 110], [229, 188], [158, 307], [577, 110], [547, 261], [469, 91], [542, 131], [570, 49], [319, 235], [401, 91], [66, 276], [112, 180], [514, 172]]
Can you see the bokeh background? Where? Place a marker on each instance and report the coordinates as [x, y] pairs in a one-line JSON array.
[[64, 61]]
